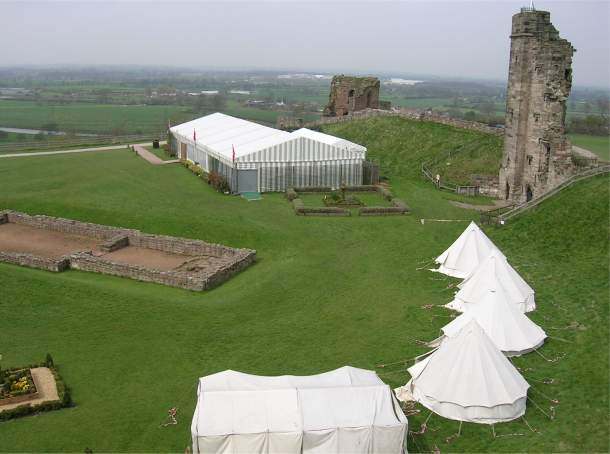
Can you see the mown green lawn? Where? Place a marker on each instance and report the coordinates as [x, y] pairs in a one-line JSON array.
[[325, 292], [600, 145]]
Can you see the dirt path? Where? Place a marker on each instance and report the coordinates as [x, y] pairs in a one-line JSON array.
[[151, 157], [467, 206], [45, 385]]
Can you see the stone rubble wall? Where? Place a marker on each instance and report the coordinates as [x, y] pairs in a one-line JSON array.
[[114, 244], [69, 226], [35, 261], [86, 262], [410, 114], [488, 185], [199, 281], [182, 246]]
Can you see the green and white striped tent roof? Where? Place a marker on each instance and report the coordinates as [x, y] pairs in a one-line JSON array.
[[219, 134]]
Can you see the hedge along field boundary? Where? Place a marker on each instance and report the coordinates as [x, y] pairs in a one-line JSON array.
[[198, 277], [398, 207]]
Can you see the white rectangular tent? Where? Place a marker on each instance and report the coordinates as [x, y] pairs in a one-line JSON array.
[[347, 410], [267, 159]]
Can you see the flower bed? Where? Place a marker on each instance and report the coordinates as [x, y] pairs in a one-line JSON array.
[[16, 385], [339, 202], [335, 199], [15, 375]]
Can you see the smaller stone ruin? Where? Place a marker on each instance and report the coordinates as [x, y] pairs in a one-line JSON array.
[[350, 94]]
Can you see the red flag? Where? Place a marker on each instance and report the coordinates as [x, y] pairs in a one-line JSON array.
[[233, 152], [194, 136]]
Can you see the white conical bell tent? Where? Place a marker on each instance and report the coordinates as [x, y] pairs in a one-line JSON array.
[[508, 328], [466, 253], [468, 379], [494, 272]]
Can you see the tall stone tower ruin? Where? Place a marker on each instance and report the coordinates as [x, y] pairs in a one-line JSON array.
[[537, 153]]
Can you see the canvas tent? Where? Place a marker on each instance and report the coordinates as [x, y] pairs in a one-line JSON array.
[[257, 158], [347, 410], [468, 379], [494, 272], [465, 254], [508, 328]]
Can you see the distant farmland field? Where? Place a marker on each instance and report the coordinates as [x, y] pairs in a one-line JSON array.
[[94, 118], [600, 145]]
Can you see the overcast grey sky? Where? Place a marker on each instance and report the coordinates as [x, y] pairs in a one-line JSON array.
[[456, 38]]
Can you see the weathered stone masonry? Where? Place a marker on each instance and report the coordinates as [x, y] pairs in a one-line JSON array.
[[226, 261], [350, 94], [537, 153]]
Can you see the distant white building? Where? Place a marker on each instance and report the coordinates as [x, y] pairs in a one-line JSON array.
[[257, 158], [399, 81]]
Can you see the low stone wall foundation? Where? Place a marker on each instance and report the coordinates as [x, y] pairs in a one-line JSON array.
[[35, 261], [68, 226], [227, 261]]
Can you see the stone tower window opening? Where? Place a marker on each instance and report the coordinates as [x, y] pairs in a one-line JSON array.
[[529, 193], [350, 99]]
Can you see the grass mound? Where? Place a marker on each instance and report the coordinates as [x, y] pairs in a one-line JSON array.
[[401, 146]]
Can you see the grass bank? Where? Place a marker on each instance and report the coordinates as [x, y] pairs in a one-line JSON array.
[[325, 292]]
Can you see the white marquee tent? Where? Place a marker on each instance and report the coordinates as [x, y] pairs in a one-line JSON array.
[[494, 272], [465, 254], [468, 379], [257, 158], [347, 410], [507, 327]]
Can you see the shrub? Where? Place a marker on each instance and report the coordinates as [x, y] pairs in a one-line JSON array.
[[67, 398], [298, 205], [320, 211], [314, 189], [218, 182], [49, 360], [381, 211], [291, 194], [397, 203]]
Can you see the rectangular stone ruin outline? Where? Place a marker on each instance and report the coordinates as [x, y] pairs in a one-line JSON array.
[[114, 238]]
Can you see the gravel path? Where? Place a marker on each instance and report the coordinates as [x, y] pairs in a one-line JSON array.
[[151, 157], [76, 150]]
